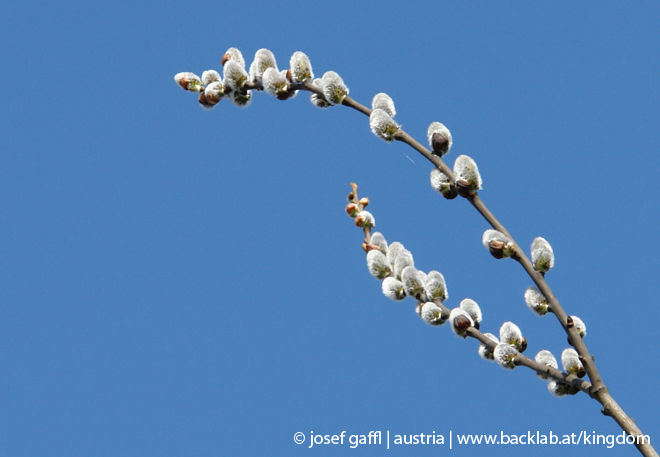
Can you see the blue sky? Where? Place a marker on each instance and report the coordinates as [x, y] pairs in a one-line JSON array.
[[177, 282]]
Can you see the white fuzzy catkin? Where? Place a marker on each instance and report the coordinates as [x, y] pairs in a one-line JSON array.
[[536, 301], [511, 334], [382, 125], [367, 219], [579, 326], [472, 308], [504, 355], [393, 251], [214, 92], [393, 289], [234, 75], [274, 83], [493, 235], [301, 67], [436, 128], [436, 288], [413, 280], [431, 313], [571, 361], [384, 102], [378, 265], [189, 81], [543, 258], [545, 357], [316, 99], [377, 239], [465, 169], [236, 55], [334, 88], [458, 313], [439, 181], [263, 60], [210, 76], [403, 259], [508, 247], [484, 352], [556, 389]]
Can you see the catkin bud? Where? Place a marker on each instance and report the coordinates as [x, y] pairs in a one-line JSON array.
[[188, 81], [274, 83], [466, 173], [441, 183], [393, 251], [542, 256], [536, 301], [460, 322], [233, 54], [263, 60], [579, 326], [382, 125], [413, 281], [316, 99], [431, 313], [511, 334], [352, 209], [403, 259], [436, 288], [301, 67], [384, 102], [214, 92], [210, 76], [378, 265], [364, 219], [471, 307], [234, 75], [241, 100], [439, 139], [499, 245], [484, 351], [571, 362], [334, 88], [393, 289], [378, 239], [557, 389], [545, 358], [505, 355]]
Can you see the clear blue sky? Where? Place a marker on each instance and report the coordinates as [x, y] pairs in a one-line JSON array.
[[177, 282]]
